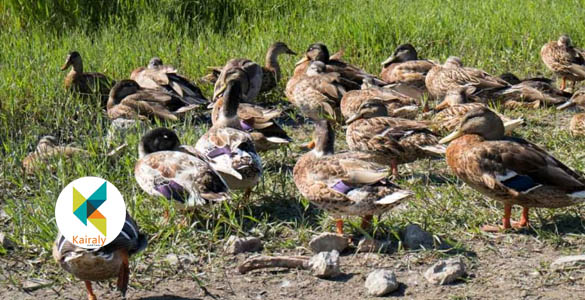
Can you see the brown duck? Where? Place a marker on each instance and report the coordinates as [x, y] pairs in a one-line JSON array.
[[564, 60], [85, 83], [404, 66], [577, 124], [508, 169]]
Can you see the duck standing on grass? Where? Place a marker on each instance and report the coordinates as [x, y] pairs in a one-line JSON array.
[[103, 263], [564, 60], [229, 149], [346, 183], [166, 168], [508, 169], [86, 83]]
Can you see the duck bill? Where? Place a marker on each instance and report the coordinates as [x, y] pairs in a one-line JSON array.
[[303, 60], [221, 90], [227, 170], [288, 51], [352, 118], [451, 137], [65, 66], [389, 60], [513, 124], [566, 105]]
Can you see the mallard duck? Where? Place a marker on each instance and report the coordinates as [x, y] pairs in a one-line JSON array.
[[453, 76], [577, 124], [251, 78], [229, 149], [259, 122], [318, 93], [564, 60], [531, 90], [405, 66], [85, 83], [346, 183], [508, 169], [354, 76], [48, 148], [393, 140], [129, 100], [397, 104], [164, 78], [455, 106], [166, 168], [102, 263]]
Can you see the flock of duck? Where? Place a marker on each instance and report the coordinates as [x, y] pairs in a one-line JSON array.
[[386, 127]]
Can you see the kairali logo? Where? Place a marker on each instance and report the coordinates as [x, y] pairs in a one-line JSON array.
[[90, 212]]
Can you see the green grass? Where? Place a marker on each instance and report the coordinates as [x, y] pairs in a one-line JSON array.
[[498, 36]]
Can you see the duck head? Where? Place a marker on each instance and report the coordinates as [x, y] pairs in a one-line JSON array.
[[280, 48], [404, 52], [73, 59], [369, 109], [155, 62], [564, 41], [316, 52], [158, 139], [481, 121]]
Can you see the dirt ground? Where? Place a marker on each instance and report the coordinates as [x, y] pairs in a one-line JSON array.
[[499, 266]]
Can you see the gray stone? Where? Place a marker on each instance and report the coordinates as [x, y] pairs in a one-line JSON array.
[[568, 262], [34, 284], [328, 241], [236, 245], [415, 237], [373, 246], [6, 242], [381, 282], [445, 271], [325, 264]]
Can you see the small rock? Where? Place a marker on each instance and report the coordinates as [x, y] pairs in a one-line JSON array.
[[415, 237], [445, 271], [236, 245], [381, 282], [568, 261], [325, 264], [285, 283], [34, 284], [6, 242], [328, 241], [172, 259], [371, 245]]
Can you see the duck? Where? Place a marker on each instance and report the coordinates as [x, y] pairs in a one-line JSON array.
[[452, 75], [354, 75], [227, 146], [103, 263], [251, 83], [531, 92], [85, 83], [397, 104], [577, 123], [260, 123], [404, 66], [48, 147], [563, 59], [509, 169], [393, 140], [318, 93], [165, 78], [177, 172], [345, 183], [129, 100], [450, 112]]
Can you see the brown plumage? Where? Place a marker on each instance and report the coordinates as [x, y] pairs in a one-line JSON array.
[[533, 89], [251, 78], [564, 60], [397, 104], [577, 123], [453, 76], [164, 78], [317, 93], [130, 101], [102, 263], [511, 170], [47, 148], [393, 141], [86, 83], [404, 66], [346, 183], [353, 75]]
